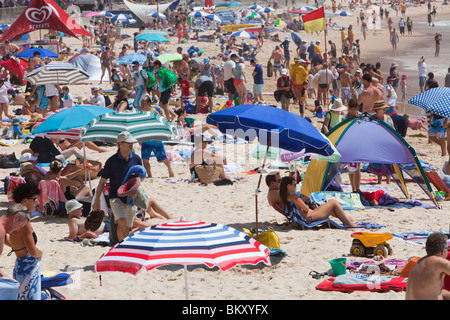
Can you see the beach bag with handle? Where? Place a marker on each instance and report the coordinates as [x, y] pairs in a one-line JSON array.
[[208, 173], [269, 238]]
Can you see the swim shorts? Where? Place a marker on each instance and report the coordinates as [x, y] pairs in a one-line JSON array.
[[153, 146]]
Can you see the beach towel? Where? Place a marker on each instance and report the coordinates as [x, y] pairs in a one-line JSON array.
[[27, 272], [12, 183], [51, 195], [361, 282], [9, 288], [347, 200], [417, 238], [58, 280]]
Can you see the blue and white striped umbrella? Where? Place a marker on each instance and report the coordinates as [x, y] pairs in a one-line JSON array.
[[198, 14], [435, 100], [265, 10], [255, 7], [214, 18], [157, 15], [244, 34], [121, 17]]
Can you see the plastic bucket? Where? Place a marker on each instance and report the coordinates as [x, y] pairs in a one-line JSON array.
[[338, 266]]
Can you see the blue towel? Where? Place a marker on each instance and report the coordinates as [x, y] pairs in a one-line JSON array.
[[138, 170]]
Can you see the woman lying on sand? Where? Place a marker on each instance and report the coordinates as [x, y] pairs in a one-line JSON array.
[[291, 200]]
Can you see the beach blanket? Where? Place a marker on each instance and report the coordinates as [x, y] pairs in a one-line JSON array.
[[347, 200], [361, 282], [416, 238]]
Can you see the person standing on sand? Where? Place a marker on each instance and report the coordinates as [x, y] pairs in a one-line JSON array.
[[422, 66], [437, 40], [426, 278], [369, 95]]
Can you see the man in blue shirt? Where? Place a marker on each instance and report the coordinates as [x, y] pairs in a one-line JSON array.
[[115, 169], [258, 81]]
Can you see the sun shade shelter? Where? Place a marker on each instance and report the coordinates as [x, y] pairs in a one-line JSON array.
[[44, 14], [368, 141]]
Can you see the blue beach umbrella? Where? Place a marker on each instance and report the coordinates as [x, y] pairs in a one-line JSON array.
[[274, 128], [152, 37], [198, 14], [255, 7], [121, 17], [244, 34], [129, 58], [214, 18], [70, 118], [106, 14], [157, 15], [435, 100], [344, 13], [44, 53], [265, 10]]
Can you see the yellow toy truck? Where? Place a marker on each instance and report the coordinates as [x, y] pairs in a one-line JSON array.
[[371, 244]]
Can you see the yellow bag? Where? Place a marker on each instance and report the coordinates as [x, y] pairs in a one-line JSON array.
[[268, 238]]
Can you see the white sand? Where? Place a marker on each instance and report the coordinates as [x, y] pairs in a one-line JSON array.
[[235, 206]]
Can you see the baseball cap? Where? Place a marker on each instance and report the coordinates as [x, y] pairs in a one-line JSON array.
[[27, 157], [95, 89], [205, 60], [125, 136], [135, 63], [73, 205], [283, 71]]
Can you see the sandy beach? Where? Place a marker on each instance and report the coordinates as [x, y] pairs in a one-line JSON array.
[[307, 250]]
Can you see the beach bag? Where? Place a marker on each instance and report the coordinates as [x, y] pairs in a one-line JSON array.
[[140, 198], [151, 77], [9, 161], [269, 238], [208, 173], [168, 77], [277, 95]]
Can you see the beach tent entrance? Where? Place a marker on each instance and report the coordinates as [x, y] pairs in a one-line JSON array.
[[91, 64], [44, 14], [368, 141]]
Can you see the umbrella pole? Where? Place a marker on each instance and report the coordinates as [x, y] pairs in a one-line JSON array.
[[186, 289], [259, 185]]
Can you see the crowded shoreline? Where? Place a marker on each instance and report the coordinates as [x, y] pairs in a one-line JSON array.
[[233, 205]]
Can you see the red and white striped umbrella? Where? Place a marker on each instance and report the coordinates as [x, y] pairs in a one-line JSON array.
[[184, 243]]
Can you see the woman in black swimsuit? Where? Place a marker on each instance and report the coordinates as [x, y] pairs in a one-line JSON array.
[[105, 60]]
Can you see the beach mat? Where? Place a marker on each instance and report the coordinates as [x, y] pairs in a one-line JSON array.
[[360, 282], [417, 238], [347, 200]]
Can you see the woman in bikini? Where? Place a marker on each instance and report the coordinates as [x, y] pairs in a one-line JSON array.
[[105, 59], [291, 201], [239, 81], [27, 270]]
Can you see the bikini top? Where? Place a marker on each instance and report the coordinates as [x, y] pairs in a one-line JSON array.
[[35, 242]]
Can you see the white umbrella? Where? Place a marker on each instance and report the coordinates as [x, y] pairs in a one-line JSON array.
[[56, 73], [198, 14], [157, 15], [214, 18]]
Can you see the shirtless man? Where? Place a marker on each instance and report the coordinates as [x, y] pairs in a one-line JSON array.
[[277, 55], [76, 222], [273, 195], [346, 85], [426, 279], [184, 65], [369, 95], [36, 61], [200, 156]]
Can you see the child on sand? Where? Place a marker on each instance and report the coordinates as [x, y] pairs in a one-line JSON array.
[[417, 124]]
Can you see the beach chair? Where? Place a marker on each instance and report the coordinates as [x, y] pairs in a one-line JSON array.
[[439, 184]]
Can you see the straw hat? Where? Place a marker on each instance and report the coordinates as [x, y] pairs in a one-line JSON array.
[[337, 105], [25, 168], [380, 105], [35, 117]]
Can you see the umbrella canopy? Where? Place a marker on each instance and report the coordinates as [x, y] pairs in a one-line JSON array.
[[265, 10], [128, 21], [253, 15], [120, 17], [344, 13], [70, 118], [435, 100], [143, 125], [198, 14], [244, 34], [152, 37], [129, 58], [92, 14], [56, 72], [186, 243], [183, 243], [255, 7], [290, 131], [280, 22], [169, 57], [43, 53], [106, 14], [157, 15], [214, 18]]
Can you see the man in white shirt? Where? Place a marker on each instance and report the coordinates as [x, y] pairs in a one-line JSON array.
[[96, 98], [325, 78], [228, 76], [421, 65]]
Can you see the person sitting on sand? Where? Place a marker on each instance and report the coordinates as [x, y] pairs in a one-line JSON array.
[[426, 278], [416, 124], [292, 201], [201, 156], [76, 222]]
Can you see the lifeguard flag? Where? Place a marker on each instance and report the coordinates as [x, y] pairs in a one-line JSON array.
[[44, 14], [314, 21]]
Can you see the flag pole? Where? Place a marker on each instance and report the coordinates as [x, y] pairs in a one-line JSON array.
[[326, 61]]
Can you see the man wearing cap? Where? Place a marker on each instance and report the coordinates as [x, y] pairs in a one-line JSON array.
[[284, 84], [299, 76], [115, 169], [141, 80], [302, 50], [96, 99]]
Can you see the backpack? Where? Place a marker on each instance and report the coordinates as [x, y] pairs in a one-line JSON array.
[[168, 77], [151, 77]]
